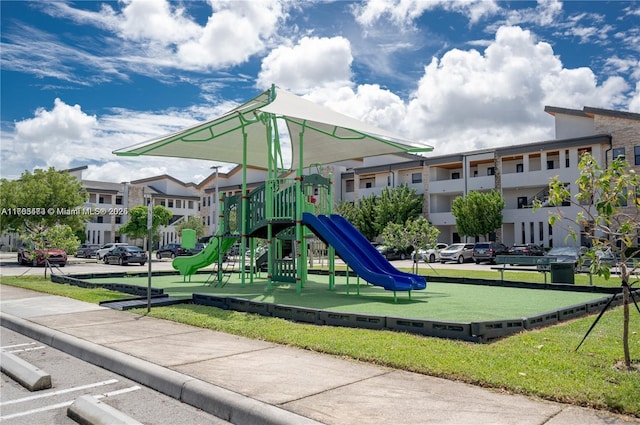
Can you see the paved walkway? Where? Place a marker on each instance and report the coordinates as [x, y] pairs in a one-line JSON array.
[[255, 382]]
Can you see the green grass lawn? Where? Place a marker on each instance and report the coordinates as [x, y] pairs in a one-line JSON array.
[[540, 363], [439, 301]]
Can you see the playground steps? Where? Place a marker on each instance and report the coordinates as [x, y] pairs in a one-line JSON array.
[[141, 302]]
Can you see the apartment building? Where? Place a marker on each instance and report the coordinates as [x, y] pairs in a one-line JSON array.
[[520, 172]]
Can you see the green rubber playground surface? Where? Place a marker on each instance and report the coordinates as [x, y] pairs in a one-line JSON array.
[[439, 301]]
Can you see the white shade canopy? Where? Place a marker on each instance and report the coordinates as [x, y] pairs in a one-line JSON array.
[[328, 136]]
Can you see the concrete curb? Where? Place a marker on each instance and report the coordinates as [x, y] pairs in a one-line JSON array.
[[86, 410], [223, 403], [25, 373]]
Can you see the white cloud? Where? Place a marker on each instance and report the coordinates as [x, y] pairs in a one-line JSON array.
[[157, 34], [42, 140], [405, 12], [312, 63], [66, 137], [473, 99], [634, 103], [235, 31]]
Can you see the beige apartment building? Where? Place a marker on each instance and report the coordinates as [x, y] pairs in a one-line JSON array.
[[521, 173]]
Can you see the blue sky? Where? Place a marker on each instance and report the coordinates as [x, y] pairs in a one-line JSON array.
[[81, 79]]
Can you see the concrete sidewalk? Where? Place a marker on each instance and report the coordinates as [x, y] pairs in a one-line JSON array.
[[247, 381]]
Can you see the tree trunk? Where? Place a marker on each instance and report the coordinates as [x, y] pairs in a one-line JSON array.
[[625, 326]]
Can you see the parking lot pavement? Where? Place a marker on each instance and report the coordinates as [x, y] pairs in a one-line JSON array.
[[73, 378]]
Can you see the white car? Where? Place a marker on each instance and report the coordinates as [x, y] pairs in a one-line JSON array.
[[107, 248], [458, 252], [429, 255]]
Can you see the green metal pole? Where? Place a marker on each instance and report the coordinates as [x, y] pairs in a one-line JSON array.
[[300, 246], [331, 251], [244, 212]]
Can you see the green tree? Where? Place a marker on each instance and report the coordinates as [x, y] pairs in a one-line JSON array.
[[136, 226], [361, 215], [608, 215], [60, 236], [42, 199], [193, 223], [397, 205], [348, 210], [478, 213], [418, 233]]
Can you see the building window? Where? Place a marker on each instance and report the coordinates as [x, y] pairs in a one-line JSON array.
[[566, 159], [118, 200], [455, 176], [636, 154], [190, 205], [618, 152], [491, 171], [550, 164], [101, 199], [519, 168], [522, 202], [368, 185], [388, 180], [170, 203], [100, 219], [540, 230], [416, 178], [349, 186], [475, 173], [118, 219]]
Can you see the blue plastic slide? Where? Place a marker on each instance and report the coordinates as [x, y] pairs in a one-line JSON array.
[[326, 230], [349, 231]]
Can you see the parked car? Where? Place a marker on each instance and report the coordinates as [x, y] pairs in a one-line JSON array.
[[171, 250], [39, 256], [458, 252], [106, 248], [87, 250], [429, 255], [196, 249], [568, 254], [526, 249], [487, 251], [391, 253], [123, 255]]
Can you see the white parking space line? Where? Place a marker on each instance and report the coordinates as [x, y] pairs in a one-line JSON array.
[[42, 409], [118, 392], [17, 345], [58, 392], [24, 350], [68, 403]]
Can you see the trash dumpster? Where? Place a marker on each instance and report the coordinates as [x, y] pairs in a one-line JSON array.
[[562, 273]]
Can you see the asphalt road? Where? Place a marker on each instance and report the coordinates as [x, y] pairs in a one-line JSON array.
[[72, 378]]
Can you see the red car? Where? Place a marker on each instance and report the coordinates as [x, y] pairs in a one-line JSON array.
[[39, 257]]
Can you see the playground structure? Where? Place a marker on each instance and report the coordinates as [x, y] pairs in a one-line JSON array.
[[286, 208]]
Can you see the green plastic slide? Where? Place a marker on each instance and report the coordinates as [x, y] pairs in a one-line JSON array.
[[191, 264]]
